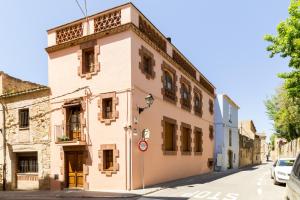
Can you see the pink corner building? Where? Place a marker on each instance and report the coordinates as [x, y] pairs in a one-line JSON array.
[[101, 69]]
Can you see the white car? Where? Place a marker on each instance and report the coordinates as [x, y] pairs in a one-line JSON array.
[[281, 170], [293, 185]]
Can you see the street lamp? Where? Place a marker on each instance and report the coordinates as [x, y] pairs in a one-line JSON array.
[[149, 101]]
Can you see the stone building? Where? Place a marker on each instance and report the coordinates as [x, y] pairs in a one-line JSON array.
[[263, 147], [227, 136], [27, 123], [247, 132], [105, 67]]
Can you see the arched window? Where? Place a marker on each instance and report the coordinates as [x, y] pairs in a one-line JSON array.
[[197, 101]]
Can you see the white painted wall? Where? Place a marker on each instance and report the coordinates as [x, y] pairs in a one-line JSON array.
[[226, 118]]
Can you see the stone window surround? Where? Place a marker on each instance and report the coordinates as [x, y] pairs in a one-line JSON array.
[[199, 93], [71, 102], [183, 80], [211, 106], [211, 132], [171, 121], [115, 113], [166, 67], [189, 127], [115, 168], [144, 52], [196, 131], [80, 54]]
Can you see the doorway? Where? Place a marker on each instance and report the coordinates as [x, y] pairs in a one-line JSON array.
[[230, 164], [74, 169]]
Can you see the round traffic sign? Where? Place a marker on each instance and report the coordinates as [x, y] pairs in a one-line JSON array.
[[143, 145]]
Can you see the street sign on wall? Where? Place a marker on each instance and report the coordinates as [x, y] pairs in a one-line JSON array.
[[143, 145]]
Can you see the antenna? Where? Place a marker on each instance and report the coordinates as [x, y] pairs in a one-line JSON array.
[[84, 14]]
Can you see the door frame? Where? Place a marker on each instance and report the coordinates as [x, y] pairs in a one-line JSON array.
[[66, 170]]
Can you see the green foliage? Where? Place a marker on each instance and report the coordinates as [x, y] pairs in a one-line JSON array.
[[287, 44], [272, 141], [285, 112]]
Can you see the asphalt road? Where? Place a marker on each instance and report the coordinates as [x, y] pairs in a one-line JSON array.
[[252, 183], [249, 184]]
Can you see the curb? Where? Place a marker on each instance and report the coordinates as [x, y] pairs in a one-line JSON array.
[[108, 196]]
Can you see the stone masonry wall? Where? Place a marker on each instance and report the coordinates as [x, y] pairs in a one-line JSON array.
[[35, 138]]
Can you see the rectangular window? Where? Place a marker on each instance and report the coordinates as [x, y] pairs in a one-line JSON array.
[[198, 141], [108, 162], [169, 137], [88, 61], [27, 163], [211, 106], [107, 108], [230, 137], [73, 125], [186, 140], [147, 62], [24, 118]]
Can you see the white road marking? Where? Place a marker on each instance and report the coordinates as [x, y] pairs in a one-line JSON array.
[[259, 191], [208, 195], [258, 183]]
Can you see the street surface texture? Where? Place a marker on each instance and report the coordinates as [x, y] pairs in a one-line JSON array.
[[252, 183]]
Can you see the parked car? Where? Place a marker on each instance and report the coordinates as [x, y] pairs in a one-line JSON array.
[[293, 185], [281, 170]]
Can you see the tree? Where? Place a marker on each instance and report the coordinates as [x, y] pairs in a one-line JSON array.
[[284, 111], [287, 44]]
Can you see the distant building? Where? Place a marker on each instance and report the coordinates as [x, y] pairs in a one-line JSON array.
[[247, 132], [227, 136], [263, 147], [27, 123]]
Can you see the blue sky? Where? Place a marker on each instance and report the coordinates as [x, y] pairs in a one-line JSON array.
[[224, 39]]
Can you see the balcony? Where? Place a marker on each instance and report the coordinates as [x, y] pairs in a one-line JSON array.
[[69, 135]]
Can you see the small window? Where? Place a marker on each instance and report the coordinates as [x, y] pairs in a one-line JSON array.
[[186, 140], [27, 163], [147, 64], [198, 141], [168, 81], [108, 159], [185, 93], [211, 132], [211, 106], [230, 137], [24, 118], [107, 108], [88, 61], [169, 137]]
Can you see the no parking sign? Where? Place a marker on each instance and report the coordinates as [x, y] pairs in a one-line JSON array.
[[143, 145]]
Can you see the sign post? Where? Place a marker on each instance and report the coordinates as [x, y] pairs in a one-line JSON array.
[[143, 146]]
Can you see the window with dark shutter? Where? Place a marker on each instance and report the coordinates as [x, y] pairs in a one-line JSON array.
[[24, 118]]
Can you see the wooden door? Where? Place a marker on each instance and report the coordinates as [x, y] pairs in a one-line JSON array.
[[74, 169]]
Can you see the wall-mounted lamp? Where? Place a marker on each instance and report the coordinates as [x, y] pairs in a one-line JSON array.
[[149, 101]]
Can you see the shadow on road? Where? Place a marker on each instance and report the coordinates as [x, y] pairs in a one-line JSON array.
[[206, 178]]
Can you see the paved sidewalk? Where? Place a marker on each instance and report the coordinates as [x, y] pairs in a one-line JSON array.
[[76, 194]]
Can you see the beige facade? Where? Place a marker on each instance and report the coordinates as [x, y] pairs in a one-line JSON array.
[[247, 133], [27, 126], [102, 70]]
